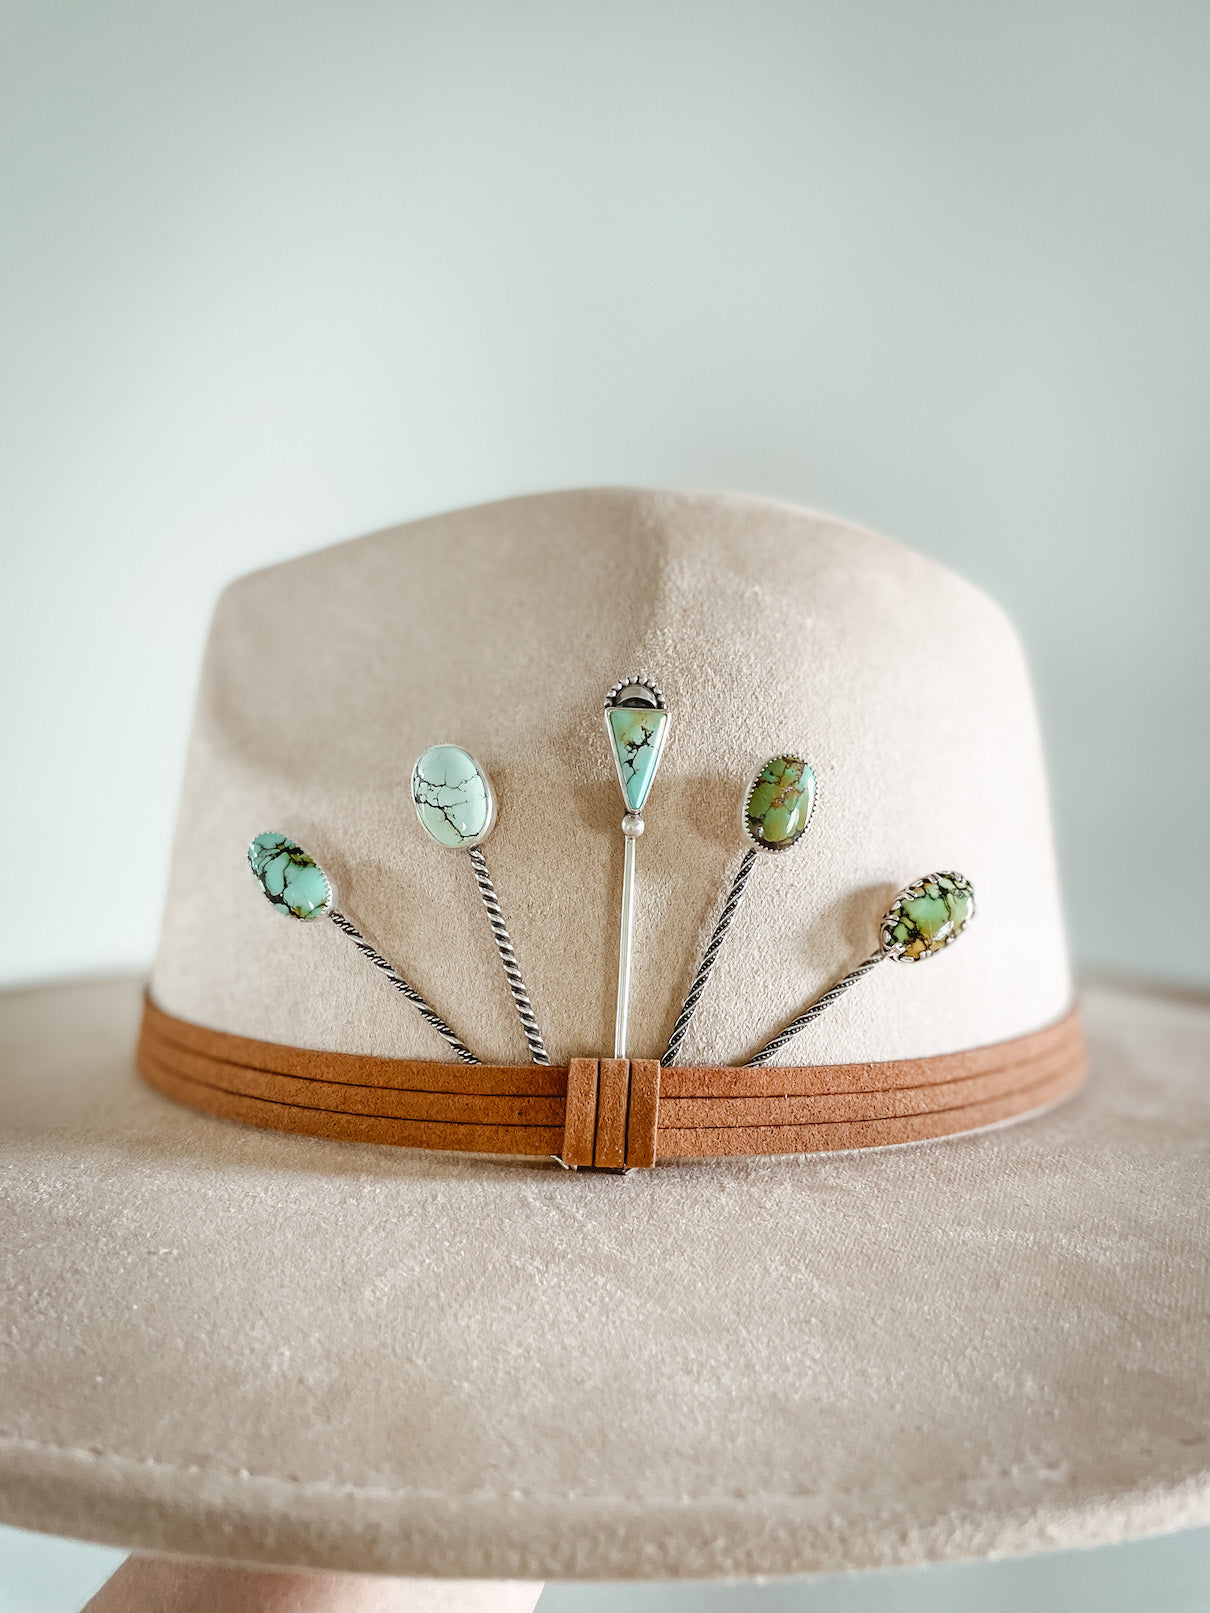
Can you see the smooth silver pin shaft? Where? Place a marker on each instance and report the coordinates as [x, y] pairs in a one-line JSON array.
[[625, 938], [400, 984], [508, 957], [636, 723], [775, 1045]]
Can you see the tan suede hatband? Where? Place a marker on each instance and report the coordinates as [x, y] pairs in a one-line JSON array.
[[607, 1112]]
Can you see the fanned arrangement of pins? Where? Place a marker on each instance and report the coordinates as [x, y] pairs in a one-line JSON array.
[[456, 807]]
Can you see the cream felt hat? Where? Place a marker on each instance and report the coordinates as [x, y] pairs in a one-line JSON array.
[[225, 1341]]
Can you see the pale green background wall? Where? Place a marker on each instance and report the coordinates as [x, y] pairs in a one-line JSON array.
[[274, 274]]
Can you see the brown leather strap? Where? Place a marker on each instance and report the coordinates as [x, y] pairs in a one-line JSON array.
[[610, 1113]]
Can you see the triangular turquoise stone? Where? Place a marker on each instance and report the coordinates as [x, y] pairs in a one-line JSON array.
[[638, 735]]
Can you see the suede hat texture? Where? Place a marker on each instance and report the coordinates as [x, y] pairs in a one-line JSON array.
[[234, 1343]]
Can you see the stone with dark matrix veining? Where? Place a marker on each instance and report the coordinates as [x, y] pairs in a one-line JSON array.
[[637, 733], [293, 882], [929, 915], [780, 803], [452, 797]]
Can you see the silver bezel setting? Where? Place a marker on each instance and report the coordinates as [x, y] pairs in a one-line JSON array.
[[894, 949], [323, 912], [642, 681], [789, 845], [474, 840], [612, 704]]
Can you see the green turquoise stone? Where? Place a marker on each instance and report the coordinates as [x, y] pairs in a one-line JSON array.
[[637, 733], [780, 803], [293, 882], [929, 915], [452, 797]]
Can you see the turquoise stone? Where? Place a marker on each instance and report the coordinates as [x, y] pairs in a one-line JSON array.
[[293, 882], [638, 734], [929, 915], [780, 803], [452, 797]]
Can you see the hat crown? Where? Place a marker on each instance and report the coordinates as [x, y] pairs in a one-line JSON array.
[[771, 631]]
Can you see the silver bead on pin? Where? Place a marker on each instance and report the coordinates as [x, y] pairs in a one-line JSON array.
[[775, 815], [456, 805], [636, 721], [298, 887]]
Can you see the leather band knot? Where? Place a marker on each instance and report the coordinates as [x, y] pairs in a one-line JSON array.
[[612, 1113]]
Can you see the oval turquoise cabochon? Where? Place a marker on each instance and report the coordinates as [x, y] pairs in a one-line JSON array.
[[452, 797], [293, 881], [928, 916], [780, 802]]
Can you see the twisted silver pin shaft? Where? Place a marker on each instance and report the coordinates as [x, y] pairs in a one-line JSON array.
[[504, 946], [400, 984], [766, 1053], [702, 977]]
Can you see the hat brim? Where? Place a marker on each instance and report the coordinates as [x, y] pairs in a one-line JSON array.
[[242, 1344]]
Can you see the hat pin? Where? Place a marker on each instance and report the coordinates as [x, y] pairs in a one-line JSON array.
[[456, 805], [636, 721], [297, 886], [775, 815], [924, 919]]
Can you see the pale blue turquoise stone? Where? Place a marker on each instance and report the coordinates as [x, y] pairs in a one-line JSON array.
[[452, 797], [637, 733], [293, 882]]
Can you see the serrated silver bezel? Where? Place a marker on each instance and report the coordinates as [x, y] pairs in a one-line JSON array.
[[323, 912], [789, 845], [644, 682], [890, 946]]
